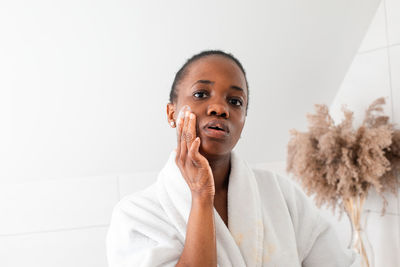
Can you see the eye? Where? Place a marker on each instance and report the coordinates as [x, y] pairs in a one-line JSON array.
[[199, 92], [236, 101]]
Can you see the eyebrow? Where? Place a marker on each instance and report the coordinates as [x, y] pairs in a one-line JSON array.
[[237, 88]]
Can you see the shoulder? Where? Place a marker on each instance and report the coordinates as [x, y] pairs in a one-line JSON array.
[[139, 230], [270, 180], [145, 198], [316, 239], [141, 213], [141, 203], [297, 201], [305, 217]]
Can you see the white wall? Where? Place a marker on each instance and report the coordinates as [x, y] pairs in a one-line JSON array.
[[84, 87], [85, 83], [374, 73]]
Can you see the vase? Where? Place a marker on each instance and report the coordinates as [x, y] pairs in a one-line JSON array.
[[359, 240]]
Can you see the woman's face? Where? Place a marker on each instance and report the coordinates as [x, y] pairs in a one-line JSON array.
[[214, 88]]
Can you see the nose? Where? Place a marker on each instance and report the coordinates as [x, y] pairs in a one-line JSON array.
[[218, 110]]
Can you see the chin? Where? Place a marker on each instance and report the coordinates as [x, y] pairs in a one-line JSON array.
[[214, 149]]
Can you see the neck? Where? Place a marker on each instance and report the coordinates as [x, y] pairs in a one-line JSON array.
[[221, 167]]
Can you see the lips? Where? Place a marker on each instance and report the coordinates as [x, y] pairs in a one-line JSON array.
[[216, 124]]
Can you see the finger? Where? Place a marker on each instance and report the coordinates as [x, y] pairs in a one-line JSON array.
[[183, 152], [185, 125], [180, 120], [181, 113], [179, 128], [191, 131], [179, 134], [199, 158], [194, 150], [184, 147]]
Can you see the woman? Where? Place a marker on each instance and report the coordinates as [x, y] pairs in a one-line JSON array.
[[208, 207]]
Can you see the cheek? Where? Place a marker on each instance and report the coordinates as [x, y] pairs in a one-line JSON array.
[[240, 123], [197, 128]]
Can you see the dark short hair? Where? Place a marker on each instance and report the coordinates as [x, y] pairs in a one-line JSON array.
[[173, 95]]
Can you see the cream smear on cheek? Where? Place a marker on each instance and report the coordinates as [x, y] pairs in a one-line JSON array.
[[181, 113]]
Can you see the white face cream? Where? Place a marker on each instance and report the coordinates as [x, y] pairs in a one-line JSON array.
[[181, 113]]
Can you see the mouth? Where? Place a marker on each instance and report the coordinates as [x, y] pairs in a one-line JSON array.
[[215, 133], [216, 129]]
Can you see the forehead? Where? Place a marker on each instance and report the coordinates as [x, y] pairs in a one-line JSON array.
[[215, 68]]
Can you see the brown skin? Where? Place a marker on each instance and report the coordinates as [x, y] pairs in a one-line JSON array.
[[205, 163]]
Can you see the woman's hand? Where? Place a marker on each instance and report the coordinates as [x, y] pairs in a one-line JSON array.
[[200, 243], [194, 167]]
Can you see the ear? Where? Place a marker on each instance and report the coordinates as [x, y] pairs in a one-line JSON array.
[[171, 116]]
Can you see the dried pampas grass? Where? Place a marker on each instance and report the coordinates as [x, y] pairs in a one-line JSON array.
[[338, 163]]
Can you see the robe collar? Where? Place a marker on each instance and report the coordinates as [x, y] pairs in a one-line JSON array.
[[241, 243]]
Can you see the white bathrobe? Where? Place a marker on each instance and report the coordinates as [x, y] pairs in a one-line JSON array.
[[270, 223]]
